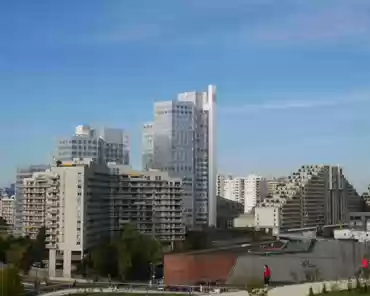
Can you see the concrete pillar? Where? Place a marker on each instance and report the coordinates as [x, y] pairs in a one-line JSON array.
[[67, 263], [52, 263]]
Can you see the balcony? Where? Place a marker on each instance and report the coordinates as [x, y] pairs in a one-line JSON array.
[[51, 246]]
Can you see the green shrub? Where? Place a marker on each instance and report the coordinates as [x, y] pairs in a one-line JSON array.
[[254, 283], [334, 287], [324, 290], [358, 284], [365, 289], [310, 292], [349, 285]]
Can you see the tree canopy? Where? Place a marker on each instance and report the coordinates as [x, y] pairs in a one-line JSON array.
[[23, 252], [3, 222], [10, 282], [130, 256]]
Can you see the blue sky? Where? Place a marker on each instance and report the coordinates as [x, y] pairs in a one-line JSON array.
[[293, 76]]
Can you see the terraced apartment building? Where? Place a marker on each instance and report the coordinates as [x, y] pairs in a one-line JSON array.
[[314, 195]]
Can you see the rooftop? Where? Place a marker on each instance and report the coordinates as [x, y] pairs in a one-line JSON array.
[[274, 247]]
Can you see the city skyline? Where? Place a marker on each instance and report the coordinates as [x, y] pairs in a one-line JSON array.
[[292, 79]]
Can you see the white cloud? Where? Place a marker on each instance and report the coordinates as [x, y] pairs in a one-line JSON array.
[[278, 105], [281, 105], [247, 22], [345, 22]]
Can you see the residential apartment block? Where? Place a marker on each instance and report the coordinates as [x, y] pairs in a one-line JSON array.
[[315, 195], [78, 214], [83, 202], [256, 189], [23, 173], [227, 211], [245, 190], [234, 189], [36, 190], [366, 200], [7, 210], [220, 184], [150, 199], [272, 184], [183, 136]]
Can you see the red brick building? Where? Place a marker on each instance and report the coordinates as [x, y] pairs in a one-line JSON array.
[[191, 268]]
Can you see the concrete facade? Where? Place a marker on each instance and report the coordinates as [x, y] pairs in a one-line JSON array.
[[227, 211], [184, 145], [256, 189], [147, 146], [35, 191], [234, 189], [332, 259], [292, 262], [245, 190], [103, 145], [22, 173], [150, 199], [83, 202], [315, 195], [7, 210]]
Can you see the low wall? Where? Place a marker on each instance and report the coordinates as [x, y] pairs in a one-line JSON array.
[[122, 291], [41, 273], [329, 259], [303, 289], [70, 280]]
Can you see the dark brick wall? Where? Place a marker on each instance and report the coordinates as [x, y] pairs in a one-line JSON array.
[[183, 269]]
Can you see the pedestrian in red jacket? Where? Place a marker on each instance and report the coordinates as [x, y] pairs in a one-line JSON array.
[[267, 275]]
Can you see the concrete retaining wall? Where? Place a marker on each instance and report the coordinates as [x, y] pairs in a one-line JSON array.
[[303, 289], [332, 259]]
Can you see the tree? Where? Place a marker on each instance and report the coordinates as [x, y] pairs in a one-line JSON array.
[[4, 245], [20, 255], [130, 256], [84, 266], [4, 227], [138, 253], [38, 247], [124, 261], [3, 222], [10, 282], [104, 260]]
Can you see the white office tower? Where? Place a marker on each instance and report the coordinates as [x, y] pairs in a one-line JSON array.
[[234, 189], [148, 146], [256, 189], [315, 195], [105, 145], [184, 145], [115, 145]]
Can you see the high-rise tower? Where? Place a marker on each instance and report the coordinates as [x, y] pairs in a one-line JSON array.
[[184, 145]]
